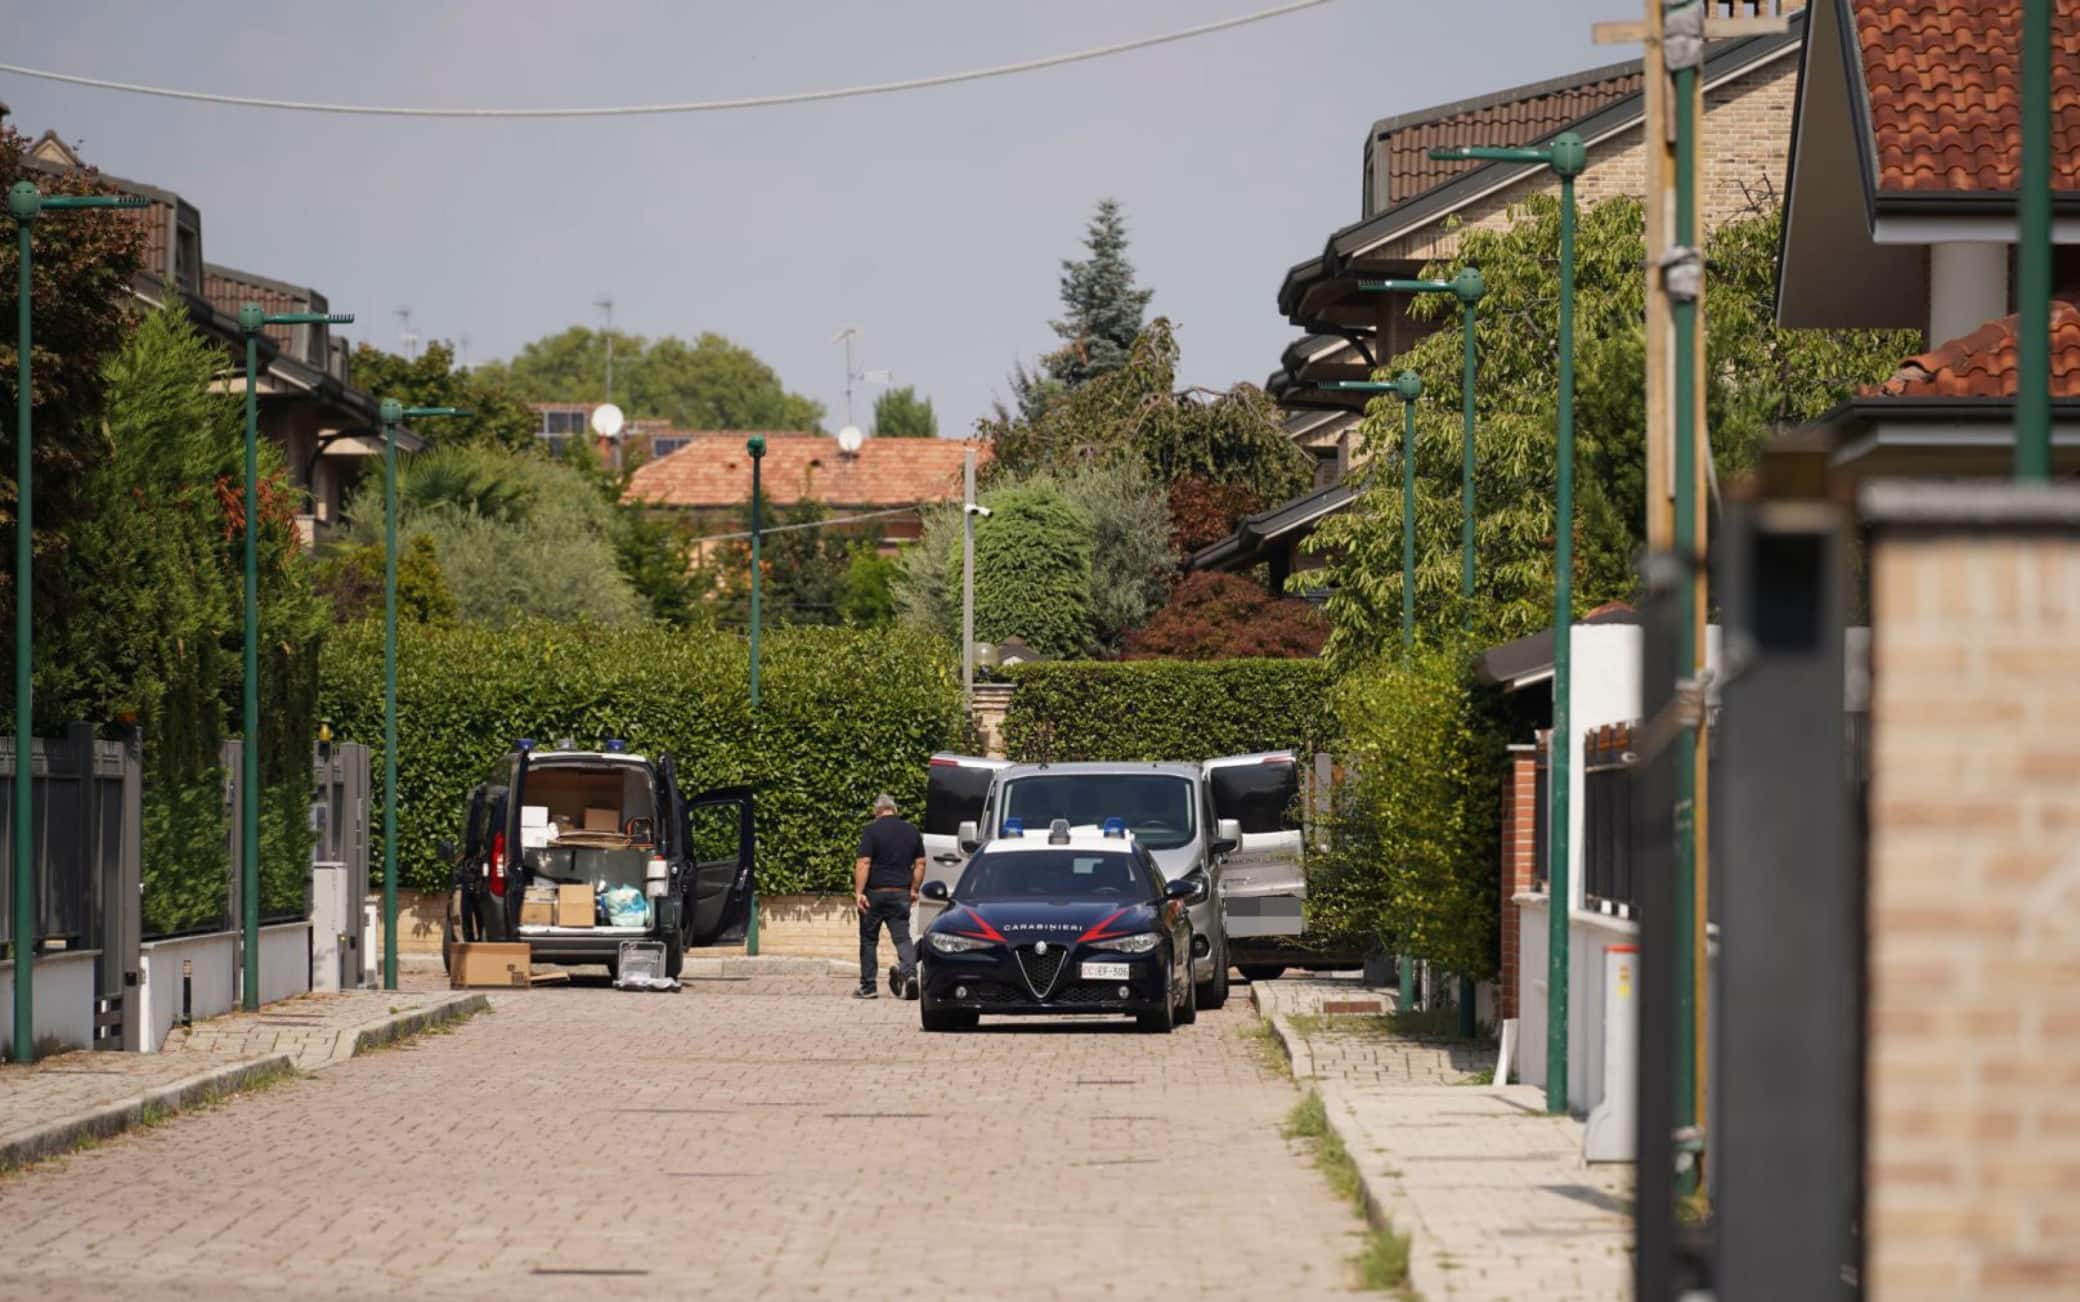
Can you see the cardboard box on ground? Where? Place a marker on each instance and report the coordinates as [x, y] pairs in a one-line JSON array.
[[481, 963]]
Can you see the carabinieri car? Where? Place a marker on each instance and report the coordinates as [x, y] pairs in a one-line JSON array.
[[1067, 921]]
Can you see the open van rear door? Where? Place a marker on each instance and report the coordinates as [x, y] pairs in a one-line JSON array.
[[1264, 880], [720, 839], [954, 790]]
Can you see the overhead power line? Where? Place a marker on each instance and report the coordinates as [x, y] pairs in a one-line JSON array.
[[689, 106]]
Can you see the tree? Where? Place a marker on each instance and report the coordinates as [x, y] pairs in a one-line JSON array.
[[1214, 616], [1759, 376], [1133, 413], [710, 383], [496, 418], [517, 536], [1033, 571], [1104, 309], [352, 577], [866, 591], [901, 414], [82, 265]]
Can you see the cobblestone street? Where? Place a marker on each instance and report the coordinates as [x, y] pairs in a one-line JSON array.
[[764, 1138]]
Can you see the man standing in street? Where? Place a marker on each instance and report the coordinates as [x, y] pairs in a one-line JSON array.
[[885, 880]]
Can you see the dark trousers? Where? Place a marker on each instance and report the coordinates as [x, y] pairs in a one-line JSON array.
[[893, 909]]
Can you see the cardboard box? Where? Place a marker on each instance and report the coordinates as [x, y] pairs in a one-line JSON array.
[[538, 913], [534, 815], [600, 818], [576, 906], [479, 963]]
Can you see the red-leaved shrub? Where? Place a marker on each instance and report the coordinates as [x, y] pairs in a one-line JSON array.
[[1214, 616]]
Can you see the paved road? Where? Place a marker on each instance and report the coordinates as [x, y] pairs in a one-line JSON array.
[[756, 1139]]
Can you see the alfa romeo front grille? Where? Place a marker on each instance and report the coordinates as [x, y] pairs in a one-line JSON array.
[[1041, 970]]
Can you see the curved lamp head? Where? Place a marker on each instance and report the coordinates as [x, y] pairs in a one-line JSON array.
[[24, 201], [390, 411], [1468, 286], [1569, 154], [1409, 385], [251, 317], [755, 445]]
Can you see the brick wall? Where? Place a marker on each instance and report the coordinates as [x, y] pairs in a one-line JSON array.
[[1747, 142], [1974, 909], [1519, 821]]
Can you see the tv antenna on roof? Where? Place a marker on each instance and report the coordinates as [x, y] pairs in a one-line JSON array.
[[848, 334], [409, 336], [605, 303]]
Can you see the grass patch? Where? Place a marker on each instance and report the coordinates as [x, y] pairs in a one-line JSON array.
[[1383, 1262], [1264, 1043], [1434, 1025], [154, 1114]]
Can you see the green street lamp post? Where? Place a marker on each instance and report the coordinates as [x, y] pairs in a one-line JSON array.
[[1567, 155], [26, 204], [1410, 386], [756, 446], [251, 319], [2033, 253], [392, 413], [1467, 287]]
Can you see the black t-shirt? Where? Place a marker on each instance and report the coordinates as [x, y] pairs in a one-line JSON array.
[[890, 846]]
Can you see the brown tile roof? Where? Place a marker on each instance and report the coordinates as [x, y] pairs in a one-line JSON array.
[[1943, 84], [1512, 117], [1982, 363], [715, 471]]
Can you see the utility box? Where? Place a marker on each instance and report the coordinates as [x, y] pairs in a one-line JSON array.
[[343, 940], [1612, 1134]]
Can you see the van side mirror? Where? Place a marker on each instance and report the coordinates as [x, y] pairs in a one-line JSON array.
[[970, 836], [937, 891], [1227, 836]]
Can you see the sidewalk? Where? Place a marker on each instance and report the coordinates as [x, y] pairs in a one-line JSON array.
[[54, 1105], [1492, 1191]]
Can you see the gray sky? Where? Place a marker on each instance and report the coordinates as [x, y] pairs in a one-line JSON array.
[[934, 220]]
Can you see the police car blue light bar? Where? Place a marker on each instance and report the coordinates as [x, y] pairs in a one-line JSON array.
[[1014, 827], [525, 743], [1115, 827], [615, 746]]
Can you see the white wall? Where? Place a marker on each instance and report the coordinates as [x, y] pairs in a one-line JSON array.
[[285, 961], [1587, 937], [1967, 287], [214, 983], [64, 1000]]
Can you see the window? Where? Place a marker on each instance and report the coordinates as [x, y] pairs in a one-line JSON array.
[[665, 447], [1056, 875], [555, 446], [1261, 797], [1157, 807]]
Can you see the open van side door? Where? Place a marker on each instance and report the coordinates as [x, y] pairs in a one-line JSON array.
[[1264, 881], [955, 787], [719, 832]]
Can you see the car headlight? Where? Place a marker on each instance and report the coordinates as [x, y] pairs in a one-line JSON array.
[[1135, 944], [948, 943]]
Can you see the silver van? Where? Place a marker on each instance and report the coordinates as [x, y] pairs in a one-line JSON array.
[[1226, 824]]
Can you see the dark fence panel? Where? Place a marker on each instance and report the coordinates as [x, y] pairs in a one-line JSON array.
[[1607, 876], [77, 830]]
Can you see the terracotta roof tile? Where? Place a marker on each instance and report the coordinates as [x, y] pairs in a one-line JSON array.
[[1943, 82], [715, 471], [1410, 169], [1982, 363]]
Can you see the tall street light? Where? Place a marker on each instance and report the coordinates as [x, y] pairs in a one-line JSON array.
[[1567, 155], [1467, 287], [26, 204], [756, 446], [1410, 386], [2033, 253], [251, 319], [392, 413]]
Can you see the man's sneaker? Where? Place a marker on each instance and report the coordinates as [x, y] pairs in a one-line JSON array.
[[910, 986], [895, 981], [866, 992]]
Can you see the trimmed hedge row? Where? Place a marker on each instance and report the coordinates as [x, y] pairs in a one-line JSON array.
[[843, 715], [1166, 709]]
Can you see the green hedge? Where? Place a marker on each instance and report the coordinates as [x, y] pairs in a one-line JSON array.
[[1166, 709], [844, 714]]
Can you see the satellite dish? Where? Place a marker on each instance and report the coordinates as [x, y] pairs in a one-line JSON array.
[[606, 420], [850, 439]]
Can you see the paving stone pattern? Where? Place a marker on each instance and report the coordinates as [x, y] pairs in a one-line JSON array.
[[95, 1089], [319, 1030], [762, 1137], [1494, 1195]]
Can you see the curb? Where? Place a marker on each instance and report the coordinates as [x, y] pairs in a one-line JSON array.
[[397, 1026], [57, 1137], [1386, 1208]]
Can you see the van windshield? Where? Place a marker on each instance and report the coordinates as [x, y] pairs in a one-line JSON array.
[[1054, 875], [1157, 807]]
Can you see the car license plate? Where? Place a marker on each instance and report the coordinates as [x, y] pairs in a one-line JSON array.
[[1104, 971]]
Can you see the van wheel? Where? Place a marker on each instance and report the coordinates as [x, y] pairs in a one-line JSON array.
[[1215, 992], [1187, 1010]]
